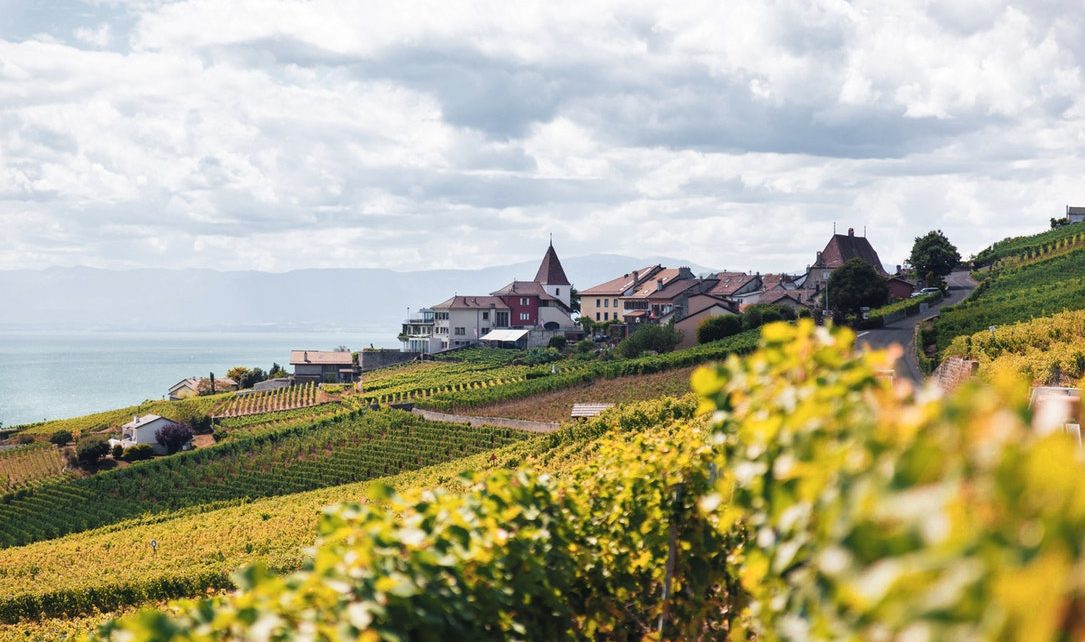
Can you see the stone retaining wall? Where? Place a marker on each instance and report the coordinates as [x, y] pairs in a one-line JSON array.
[[500, 422], [954, 371]]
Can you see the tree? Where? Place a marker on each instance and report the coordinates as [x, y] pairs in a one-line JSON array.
[[60, 437], [720, 327], [237, 373], [855, 285], [933, 255], [657, 338], [90, 448], [574, 300], [173, 437], [276, 371]]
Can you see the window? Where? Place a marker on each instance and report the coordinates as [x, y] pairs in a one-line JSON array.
[[502, 319], [485, 316], [606, 303], [598, 303], [606, 316], [615, 302], [525, 316], [596, 316], [461, 331], [523, 300]]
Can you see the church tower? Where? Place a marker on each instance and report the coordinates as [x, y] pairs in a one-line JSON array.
[[552, 277]]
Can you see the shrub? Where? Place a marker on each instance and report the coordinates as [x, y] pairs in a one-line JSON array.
[[24, 439], [720, 327], [557, 343], [657, 338], [90, 448], [60, 437], [173, 437], [584, 346], [118, 451], [752, 318], [139, 452]]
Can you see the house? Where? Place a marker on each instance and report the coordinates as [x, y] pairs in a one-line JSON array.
[[322, 366], [899, 288], [697, 309], [1075, 214], [417, 333], [601, 303], [463, 320], [840, 249], [539, 307], [144, 430], [660, 295], [736, 285], [193, 386]]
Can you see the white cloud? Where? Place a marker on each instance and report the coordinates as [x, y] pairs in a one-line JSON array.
[[408, 135]]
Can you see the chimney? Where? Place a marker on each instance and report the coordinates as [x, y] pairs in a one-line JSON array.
[[851, 231], [898, 268], [305, 356], [636, 275], [135, 418], [659, 284]]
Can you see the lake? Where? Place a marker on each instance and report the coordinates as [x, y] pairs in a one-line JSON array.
[[57, 375]]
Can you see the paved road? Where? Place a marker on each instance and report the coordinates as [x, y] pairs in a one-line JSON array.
[[903, 331]]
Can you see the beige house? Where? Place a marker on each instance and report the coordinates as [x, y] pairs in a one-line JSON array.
[[602, 303], [322, 366]]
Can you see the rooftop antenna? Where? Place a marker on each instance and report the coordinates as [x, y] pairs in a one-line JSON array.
[[834, 227], [551, 239], [864, 231]]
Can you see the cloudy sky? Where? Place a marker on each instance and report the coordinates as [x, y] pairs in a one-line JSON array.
[[285, 135]]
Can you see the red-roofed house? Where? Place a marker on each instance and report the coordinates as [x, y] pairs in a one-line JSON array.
[[603, 302], [542, 303]]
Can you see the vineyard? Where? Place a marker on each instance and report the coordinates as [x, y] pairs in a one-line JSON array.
[[64, 576], [187, 410], [30, 465], [256, 403], [344, 449], [466, 397], [1017, 294], [1019, 247], [1048, 350], [809, 500], [277, 420]]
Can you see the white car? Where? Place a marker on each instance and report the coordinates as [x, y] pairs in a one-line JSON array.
[[925, 292]]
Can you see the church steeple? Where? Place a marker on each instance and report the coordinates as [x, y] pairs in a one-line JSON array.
[[550, 270]]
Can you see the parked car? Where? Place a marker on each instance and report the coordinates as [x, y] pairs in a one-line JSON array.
[[925, 292]]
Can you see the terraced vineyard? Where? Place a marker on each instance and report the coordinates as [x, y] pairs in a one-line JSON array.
[[182, 410], [1033, 244], [200, 547], [1017, 294], [280, 419], [344, 449], [30, 465], [256, 403], [1048, 350]]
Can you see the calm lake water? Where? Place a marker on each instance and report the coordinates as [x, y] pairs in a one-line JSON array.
[[56, 375]]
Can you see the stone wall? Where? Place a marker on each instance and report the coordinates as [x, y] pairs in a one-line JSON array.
[[373, 359], [954, 371]]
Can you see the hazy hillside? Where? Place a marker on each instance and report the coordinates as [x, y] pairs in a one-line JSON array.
[[366, 300]]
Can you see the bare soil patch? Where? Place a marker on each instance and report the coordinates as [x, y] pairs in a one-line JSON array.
[[556, 406]]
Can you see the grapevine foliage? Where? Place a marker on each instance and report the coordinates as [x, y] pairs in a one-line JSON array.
[[812, 500]]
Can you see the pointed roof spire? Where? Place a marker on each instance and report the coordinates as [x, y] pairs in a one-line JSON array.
[[550, 270]]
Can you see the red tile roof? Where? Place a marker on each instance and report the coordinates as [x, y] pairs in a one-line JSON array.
[[525, 288], [320, 358], [729, 282], [772, 281], [472, 303], [550, 270], [672, 285], [619, 285], [841, 248]]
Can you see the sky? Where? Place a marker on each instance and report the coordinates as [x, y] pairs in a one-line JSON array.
[[416, 135]]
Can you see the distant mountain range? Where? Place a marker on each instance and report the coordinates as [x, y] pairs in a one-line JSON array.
[[369, 301]]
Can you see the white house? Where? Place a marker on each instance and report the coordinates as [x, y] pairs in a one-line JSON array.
[[142, 430]]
